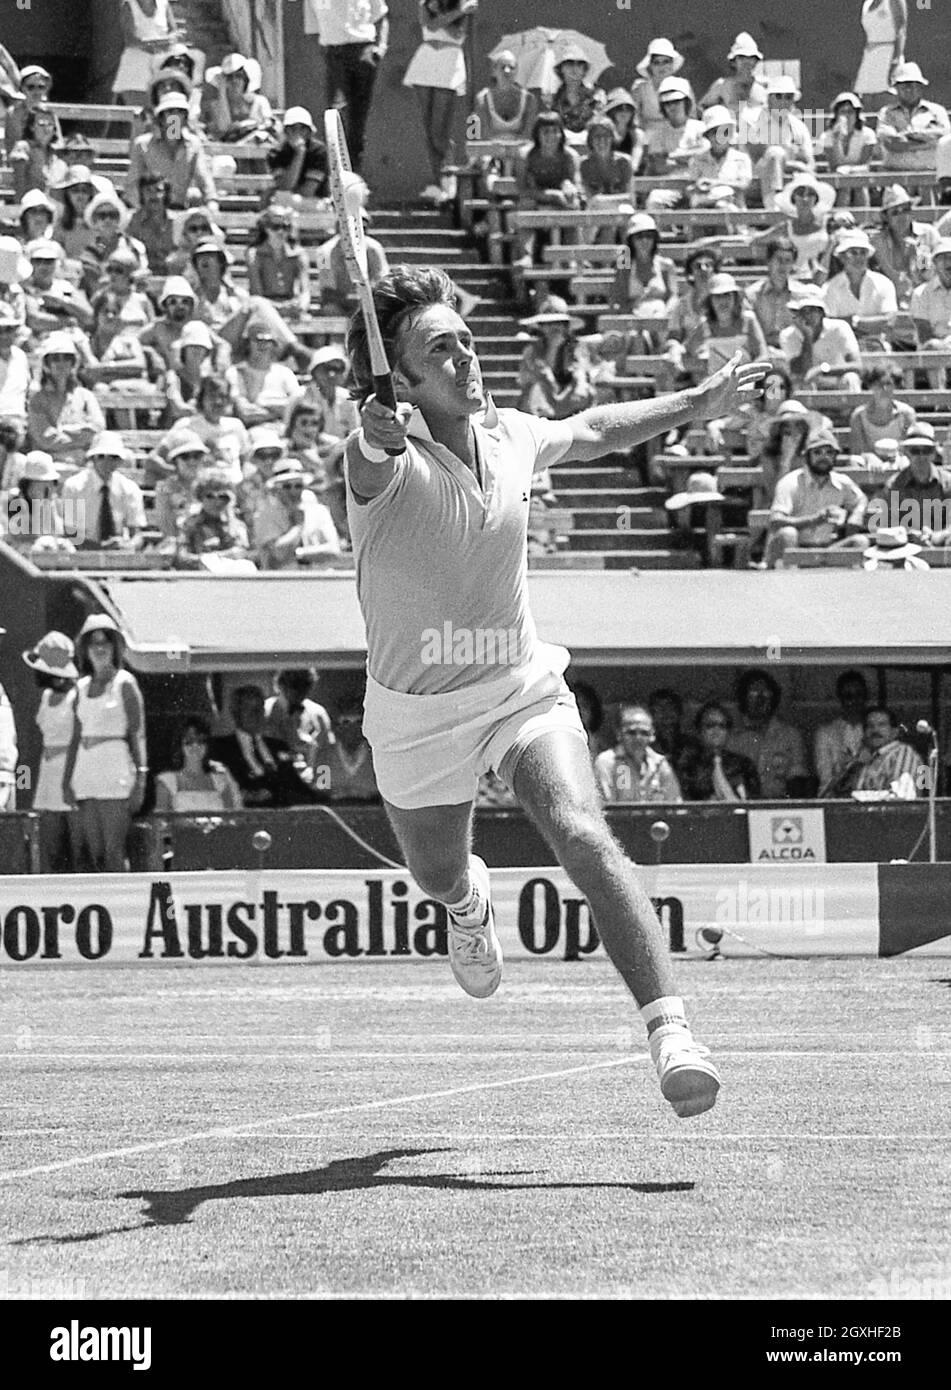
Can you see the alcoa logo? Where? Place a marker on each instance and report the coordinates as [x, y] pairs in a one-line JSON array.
[[787, 835], [787, 830]]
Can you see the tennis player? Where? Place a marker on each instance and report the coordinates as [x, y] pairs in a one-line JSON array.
[[458, 682]]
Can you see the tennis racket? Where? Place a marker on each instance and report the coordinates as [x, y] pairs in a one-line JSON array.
[[346, 189]]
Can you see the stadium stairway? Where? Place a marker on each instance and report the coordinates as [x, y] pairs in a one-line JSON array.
[[615, 522], [205, 27]]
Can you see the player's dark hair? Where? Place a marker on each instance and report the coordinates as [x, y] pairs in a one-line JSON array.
[[406, 290]]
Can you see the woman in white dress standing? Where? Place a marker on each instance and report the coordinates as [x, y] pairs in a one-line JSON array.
[[198, 785], [148, 30], [105, 770], [438, 72], [52, 663], [886, 24]]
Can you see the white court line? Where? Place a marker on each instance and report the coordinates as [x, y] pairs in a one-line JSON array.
[[117, 1059], [232, 1131]]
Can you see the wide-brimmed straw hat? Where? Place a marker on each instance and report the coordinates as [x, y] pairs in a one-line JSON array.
[[554, 309], [700, 487], [53, 655], [825, 194], [892, 543]]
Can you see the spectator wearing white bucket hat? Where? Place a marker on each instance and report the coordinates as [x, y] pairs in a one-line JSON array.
[[290, 526], [299, 161], [63, 417], [675, 141], [822, 351], [660, 62], [53, 664], [777, 139], [720, 174], [739, 90], [902, 246], [176, 154], [237, 109], [110, 503], [848, 145], [864, 298], [910, 128], [33, 511]]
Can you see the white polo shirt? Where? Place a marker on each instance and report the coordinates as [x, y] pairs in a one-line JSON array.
[[441, 550], [836, 345], [876, 296], [800, 494]]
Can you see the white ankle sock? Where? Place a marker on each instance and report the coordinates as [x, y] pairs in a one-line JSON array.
[[470, 910], [668, 1011]]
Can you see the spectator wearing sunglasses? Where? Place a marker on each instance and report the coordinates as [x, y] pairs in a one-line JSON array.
[[213, 529], [175, 153], [33, 159], [708, 770], [186, 455], [36, 85], [63, 417], [291, 527], [632, 770], [108, 218]]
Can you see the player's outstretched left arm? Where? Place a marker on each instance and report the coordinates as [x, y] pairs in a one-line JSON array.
[[606, 429]]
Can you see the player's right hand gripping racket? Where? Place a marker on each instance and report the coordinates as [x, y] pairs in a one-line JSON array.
[[346, 189]]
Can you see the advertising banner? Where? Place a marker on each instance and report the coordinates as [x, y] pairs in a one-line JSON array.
[[787, 837], [745, 910]]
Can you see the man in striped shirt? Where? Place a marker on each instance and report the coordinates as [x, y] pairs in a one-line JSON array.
[[894, 766]]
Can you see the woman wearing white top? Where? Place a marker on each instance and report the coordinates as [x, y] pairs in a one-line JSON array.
[[199, 785], [505, 110], [438, 72], [105, 767], [51, 662], [147, 27], [886, 24]]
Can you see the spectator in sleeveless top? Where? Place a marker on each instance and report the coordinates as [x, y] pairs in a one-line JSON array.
[[198, 784]]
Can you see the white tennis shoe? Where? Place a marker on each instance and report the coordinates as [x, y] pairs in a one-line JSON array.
[[687, 1080], [474, 951]]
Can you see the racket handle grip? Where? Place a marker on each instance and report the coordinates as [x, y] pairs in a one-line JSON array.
[[383, 390]]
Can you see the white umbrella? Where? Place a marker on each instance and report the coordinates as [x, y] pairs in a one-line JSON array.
[[538, 51]]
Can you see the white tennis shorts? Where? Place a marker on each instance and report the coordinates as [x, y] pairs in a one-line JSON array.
[[431, 750]]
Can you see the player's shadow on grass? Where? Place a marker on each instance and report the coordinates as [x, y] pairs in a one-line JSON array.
[[170, 1207]]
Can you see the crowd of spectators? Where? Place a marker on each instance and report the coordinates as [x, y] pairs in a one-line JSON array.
[[128, 294], [841, 278], [743, 750]]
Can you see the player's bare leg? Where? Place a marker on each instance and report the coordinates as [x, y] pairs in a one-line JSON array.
[[437, 844], [555, 783]]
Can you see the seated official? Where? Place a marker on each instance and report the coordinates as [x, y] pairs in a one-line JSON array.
[[709, 771], [893, 766], [109, 501], [633, 770], [263, 767]]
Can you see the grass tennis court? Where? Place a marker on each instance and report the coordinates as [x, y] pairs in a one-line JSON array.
[[315, 1130]]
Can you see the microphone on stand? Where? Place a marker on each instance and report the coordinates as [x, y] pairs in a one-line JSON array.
[[927, 731]]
